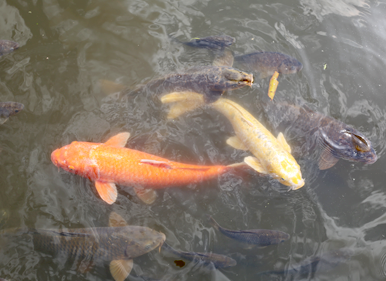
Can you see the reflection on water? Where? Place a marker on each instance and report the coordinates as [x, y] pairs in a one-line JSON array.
[[67, 47]]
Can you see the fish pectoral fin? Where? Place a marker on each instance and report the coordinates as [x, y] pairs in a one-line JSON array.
[[283, 142], [255, 164], [3, 120], [107, 191], [120, 269], [326, 159], [223, 57], [147, 195], [235, 142], [116, 220], [110, 87], [273, 83], [118, 140]]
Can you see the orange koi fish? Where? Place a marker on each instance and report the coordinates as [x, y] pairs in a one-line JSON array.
[[111, 163]]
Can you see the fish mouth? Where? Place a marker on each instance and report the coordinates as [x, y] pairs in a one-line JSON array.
[[297, 186]]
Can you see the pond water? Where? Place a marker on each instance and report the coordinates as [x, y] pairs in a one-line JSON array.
[[68, 47]]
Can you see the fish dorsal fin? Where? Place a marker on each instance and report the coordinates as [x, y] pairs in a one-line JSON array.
[[107, 191], [120, 269], [235, 142], [116, 220], [283, 142], [118, 140], [160, 164], [255, 164], [147, 195], [326, 159], [110, 87]]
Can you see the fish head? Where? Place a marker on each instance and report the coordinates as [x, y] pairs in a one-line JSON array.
[[349, 144], [140, 240], [10, 108], [289, 65], [232, 78], [75, 158], [287, 172], [7, 46]]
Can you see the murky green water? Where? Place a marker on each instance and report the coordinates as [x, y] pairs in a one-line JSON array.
[[68, 46]]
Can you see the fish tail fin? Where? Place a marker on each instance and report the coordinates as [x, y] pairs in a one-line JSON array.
[[213, 222], [182, 102]]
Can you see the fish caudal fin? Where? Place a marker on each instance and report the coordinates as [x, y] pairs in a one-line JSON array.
[[110, 87], [116, 220], [184, 102], [118, 140], [107, 191], [283, 142], [213, 222], [255, 164], [236, 143], [120, 269], [147, 195], [326, 159]]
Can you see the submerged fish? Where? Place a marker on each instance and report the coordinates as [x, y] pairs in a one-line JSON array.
[[260, 237], [219, 261], [272, 156], [7, 47], [210, 81], [314, 264], [210, 42], [266, 63], [111, 163], [9, 108], [117, 244], [337, 139]]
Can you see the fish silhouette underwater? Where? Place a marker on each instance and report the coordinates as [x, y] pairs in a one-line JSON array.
[[117, 244]]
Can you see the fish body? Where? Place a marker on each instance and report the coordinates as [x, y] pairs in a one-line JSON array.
[[210, 81], [322, 263], [117, 244], [337, 139], [211, 42], [111, 163], [272, 156], [9, 108], [266, 63], [219, 261], [7, 46], [260, 237]]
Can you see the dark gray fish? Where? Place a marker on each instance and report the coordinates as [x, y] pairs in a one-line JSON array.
[[219, 261], [8, 109], [117, 244], [7, 47], [314, 264], [210, 81], [210, 42], [260, 237], [266, 63], [337, 139]]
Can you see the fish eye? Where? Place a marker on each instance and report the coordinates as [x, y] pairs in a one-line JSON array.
[[16, 111], [360, 143]]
